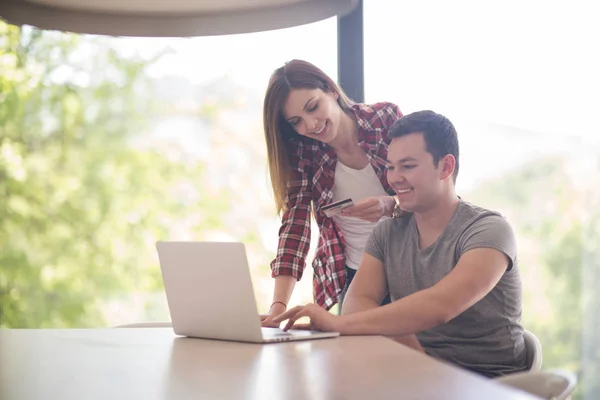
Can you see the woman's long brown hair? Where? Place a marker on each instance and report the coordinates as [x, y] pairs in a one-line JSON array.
[[295, 74]]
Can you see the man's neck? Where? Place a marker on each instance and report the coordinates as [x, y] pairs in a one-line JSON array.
[[437, 218]]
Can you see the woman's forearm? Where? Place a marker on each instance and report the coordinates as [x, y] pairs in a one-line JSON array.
[[284, 286]]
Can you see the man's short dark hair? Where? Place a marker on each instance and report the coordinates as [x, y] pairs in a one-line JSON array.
[[438, 132]]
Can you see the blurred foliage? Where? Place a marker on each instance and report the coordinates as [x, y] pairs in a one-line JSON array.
[[558, 226], [84, 198]]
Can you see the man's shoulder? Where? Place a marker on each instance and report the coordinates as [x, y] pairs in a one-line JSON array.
[[470, 212], [473, 218], [485, 228]]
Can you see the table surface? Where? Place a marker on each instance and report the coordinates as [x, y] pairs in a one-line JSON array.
[[154, 363]]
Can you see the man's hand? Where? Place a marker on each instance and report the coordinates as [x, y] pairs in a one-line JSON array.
[[371, 209], [320, 319], [276, 309]]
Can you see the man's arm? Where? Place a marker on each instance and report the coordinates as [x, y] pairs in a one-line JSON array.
[[474, 276], [368, 288]]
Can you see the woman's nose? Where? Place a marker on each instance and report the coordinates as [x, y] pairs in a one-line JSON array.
[[304, 128]]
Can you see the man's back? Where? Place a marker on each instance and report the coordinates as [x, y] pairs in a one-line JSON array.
[[487, 337]]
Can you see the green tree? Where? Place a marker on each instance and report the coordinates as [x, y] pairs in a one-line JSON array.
[[83, 194]]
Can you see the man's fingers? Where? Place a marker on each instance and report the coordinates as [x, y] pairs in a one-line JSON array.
[[301, 313], [289, 324], [292, 320], [289, 313]]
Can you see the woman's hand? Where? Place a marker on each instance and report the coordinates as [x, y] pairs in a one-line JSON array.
[[276, 309], [371, 209]]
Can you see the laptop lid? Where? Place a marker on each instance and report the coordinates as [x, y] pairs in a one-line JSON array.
[[209, 290]]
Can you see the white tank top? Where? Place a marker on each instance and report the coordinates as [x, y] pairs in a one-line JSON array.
[[356, 184]]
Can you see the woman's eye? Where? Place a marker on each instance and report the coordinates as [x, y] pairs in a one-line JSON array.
[[313, 108]]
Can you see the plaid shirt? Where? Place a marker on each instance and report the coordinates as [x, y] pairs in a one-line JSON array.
[[311, 182]]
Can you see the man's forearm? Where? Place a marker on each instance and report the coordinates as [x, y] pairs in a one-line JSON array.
[[413, 314], [355, 304]]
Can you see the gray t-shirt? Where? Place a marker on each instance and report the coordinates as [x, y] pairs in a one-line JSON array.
[[486, 338]]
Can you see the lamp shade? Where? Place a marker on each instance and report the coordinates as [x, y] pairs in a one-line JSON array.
[[169, 18]]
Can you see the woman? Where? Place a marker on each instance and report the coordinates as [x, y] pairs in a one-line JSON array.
[[322, 148]]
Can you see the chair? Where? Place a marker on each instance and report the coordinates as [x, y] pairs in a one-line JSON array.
[[555, 385], [146, 325], [533, 349]]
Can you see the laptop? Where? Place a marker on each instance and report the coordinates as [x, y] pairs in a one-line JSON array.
[[210, 295]]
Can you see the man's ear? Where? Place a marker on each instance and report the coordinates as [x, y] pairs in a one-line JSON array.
[[447, 164]]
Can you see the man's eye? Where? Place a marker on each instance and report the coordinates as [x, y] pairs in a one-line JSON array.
[[389, 167], [409, 166]]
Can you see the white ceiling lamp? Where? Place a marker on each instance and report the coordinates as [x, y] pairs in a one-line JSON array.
[[169, 18]]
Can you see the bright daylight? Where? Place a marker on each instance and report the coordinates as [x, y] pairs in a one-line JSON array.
[[109, 144]]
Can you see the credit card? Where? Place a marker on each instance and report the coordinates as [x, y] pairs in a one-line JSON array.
[[335, 208]]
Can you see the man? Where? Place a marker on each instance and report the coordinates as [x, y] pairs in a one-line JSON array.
[[450, 267]]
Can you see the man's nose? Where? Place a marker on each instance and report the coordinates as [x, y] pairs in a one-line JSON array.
[[396, 176]]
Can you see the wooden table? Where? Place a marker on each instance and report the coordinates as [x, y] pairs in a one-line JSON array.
[[154, 363]]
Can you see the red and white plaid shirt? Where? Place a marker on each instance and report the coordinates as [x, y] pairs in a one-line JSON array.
[[311, 182]]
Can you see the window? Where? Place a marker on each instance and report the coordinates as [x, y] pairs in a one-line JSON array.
[[110, 144], [519, 81]]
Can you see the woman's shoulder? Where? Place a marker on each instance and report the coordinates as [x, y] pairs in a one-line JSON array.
[[376, 115], [373, 109], [301, 151]]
